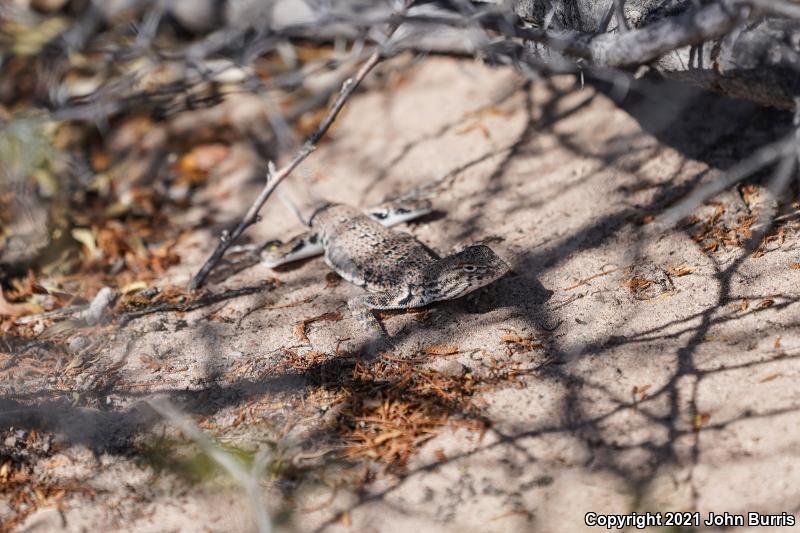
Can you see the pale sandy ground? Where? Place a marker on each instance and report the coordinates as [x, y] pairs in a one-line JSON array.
[[558, 179]]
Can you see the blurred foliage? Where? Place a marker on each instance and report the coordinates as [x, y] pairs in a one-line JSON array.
[[187, 461], [24, 146]]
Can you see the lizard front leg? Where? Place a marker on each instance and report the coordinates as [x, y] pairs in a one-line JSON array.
[[362, 309]]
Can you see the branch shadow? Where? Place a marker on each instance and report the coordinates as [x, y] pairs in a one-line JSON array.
[[108, 430]]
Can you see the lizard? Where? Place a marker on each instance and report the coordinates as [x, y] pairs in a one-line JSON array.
[[308, 244], [397, 270]]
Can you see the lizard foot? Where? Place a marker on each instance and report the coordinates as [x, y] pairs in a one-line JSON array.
[[361, 308]]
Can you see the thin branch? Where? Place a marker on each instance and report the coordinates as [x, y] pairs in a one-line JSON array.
[[611, 50], [276, 177], [208, 299], [763, 157], [619, 8]]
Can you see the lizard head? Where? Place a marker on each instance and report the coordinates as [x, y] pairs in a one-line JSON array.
[[463, 272]]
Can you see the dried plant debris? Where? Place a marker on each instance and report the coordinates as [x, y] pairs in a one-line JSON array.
[[24, 487], [714, 236], [382, 410], [649, 281], [301, 327], [441, 350], [725, 225], [393, 407], [517, 343], [680, 270]]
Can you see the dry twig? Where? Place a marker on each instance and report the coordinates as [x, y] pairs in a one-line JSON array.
[[275, 177]]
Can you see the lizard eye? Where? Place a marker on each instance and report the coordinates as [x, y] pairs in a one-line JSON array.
[[380, 215], [469, 268]]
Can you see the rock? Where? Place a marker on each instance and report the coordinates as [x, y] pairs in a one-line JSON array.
[[449, 367], [77, 344], [97, 309], [196, 15], [43, 519]]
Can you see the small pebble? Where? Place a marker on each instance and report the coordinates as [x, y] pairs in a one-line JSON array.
[[97, 309], [76, 344], [149, 293], [449, 367]]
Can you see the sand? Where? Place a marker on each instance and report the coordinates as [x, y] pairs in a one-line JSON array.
[[675, 396]]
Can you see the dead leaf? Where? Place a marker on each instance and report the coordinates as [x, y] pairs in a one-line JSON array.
[[150, 362], [14, 310], [441, 350], [476, 125], [380, 439], [300, 332], [300, 328], [750, 194], [766, 302], [681, 270], [700, 420], [76, 362], [639, 284], [527, 343], [86, 237], [770, 377], [100, 161], [135, 286], [194, 166]]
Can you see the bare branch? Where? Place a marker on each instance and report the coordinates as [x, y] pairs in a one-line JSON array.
[[642, 45], [777, 7], [763, 157], [274, 179], [619, 9]]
